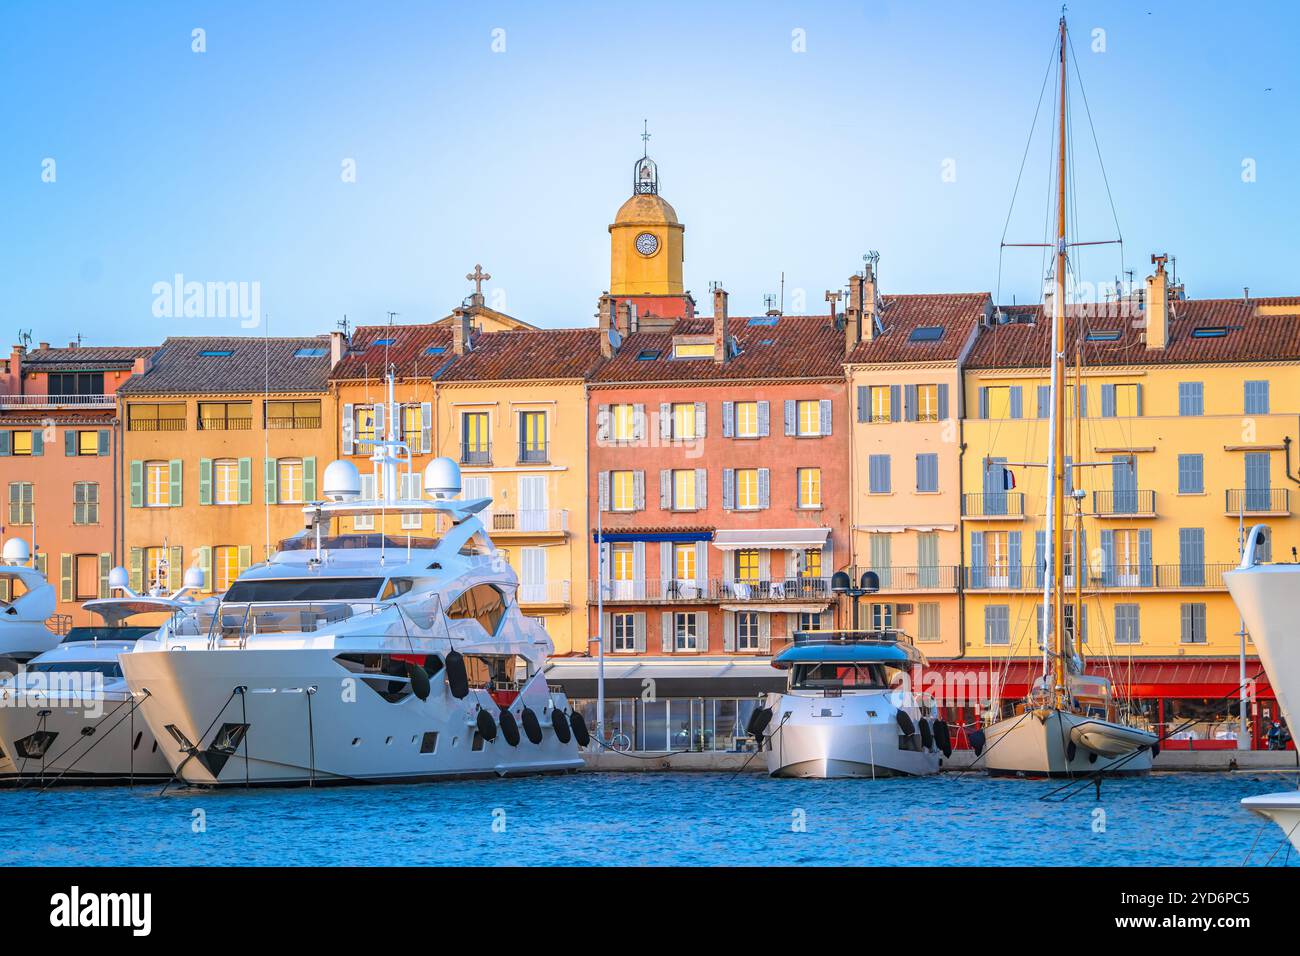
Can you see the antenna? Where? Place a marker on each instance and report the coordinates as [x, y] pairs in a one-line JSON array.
[[783, 292], [769, 302], [24, 337], [343, 325]]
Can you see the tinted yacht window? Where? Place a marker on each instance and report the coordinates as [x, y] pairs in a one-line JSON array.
[[283, 590], [482, 602]]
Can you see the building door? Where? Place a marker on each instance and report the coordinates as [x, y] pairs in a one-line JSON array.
[[532, 502], [532, 578], [995, 486]]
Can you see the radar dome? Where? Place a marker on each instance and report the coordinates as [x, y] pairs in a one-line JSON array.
[[119, 578], [17, 551], [193, 579], [342, 481], [442, 478]]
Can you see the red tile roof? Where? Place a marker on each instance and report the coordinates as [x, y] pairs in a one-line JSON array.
[[797, 346], [86, 357], [409, 352], [524, 355], [955, 313], [1025, 342], [253, 364]]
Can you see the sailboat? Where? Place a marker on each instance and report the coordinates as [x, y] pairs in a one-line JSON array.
[[1069, 723]]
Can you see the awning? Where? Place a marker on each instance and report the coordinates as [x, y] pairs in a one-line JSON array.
[[673, 677], [767, 608], [780, 538]]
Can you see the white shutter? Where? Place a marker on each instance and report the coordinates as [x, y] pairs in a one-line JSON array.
[[638, 422], [638, 490], [824, 410], [728, 631], [665, 568], [665, 489], [765, 632], [602, 423], [602, 491], [666, 620], [764, 488], [533, 578], [379, 410], [665, 421], [638, 569], [701, 488], [701, 419], [426, 427], [348, 422], [728, 419], [702, 632], [790, 417], [764, 419], [702, 567]]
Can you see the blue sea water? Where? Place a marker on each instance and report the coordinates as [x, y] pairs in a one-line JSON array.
[[655, 819]]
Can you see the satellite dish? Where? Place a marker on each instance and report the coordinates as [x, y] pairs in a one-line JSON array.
[[442, 478], [342, 481], [193, 579], [119, 578], [17, 551]]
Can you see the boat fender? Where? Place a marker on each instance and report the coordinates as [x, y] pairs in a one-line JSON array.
[[487, 727], [561, 724], [1070, 751], [419, 680], [976, 738], [532, 726], [580, 729], [1092, 758], [1155, 750], [758, 722], [905, 722], [509, 728], [432, 665], [927, 735], [457, 679], [942, 737]]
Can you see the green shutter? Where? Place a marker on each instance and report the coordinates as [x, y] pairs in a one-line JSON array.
[[175, 568], [105, 439], [105, 565], [137, 485], [245, 481], [245, 557], [65, 577], [40, 564], [4, 443], [69, 442], [269, 477], [38, 441], [136, 566], [205, 481], [205, 565], [174, 483], [309, 478]]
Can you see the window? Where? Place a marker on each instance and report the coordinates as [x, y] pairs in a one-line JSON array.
[[157, 486], [22, 443], [927, 473], [690, 350], [927, 403], [997, 557], [1257, 397], [85, 577], [623, 490], [1192, 623], [365, 522], [623, 419], [683, 489], [882, 617], [746, 419], [881, 405], [810, 487], [1191, 474], [623, 557], [747, 566], [684, 424], [21, 504], [154, 568], [878, 482], [87, 443], [809, 621], [997, 624], [747, 488], [685, 632], [483, 602], [413, 429], [1128, 556], [85, 502], [311, 353], [812, 563], [1191, 398], [288, 480], [75, 383], [225, 416], [225, 481], [809, 419], [156, 418], [747, 631], [623, 632], [998, 402], [926, 333], [532, 437], [475, 447], [304, 414], [927, 621], [216, 353], [225, 567], [363, 428], [1128, 628], [1127, 402], [684, 562]]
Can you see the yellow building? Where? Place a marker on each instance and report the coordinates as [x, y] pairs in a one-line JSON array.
[[223, 440]]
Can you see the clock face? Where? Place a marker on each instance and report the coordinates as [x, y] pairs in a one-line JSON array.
[[647, 244]]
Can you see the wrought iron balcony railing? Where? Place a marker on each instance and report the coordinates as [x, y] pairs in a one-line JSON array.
[[1255, 501], [57, 401], [1003, 504], [942, 577], [791, 590], [546, 592], [524, 521], [472, 456], [1126, 503]]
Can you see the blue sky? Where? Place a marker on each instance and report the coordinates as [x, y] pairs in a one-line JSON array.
[[225, 166]]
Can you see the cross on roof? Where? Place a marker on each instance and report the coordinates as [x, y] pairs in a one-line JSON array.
[[645, 138], [478, 277]]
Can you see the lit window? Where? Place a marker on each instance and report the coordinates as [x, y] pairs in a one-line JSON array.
[[623, 562], [812, 563], [474, 441], [998, 557], [623, 490], [22, 443], [87, 443], [225, 567], [157, 484], [289, 481], [881, 409], [747, 488], [156, 418], [747, 566], [363, 428], [927, 403], [747, 419], [692, 350], [684, 562], [154, 569], [624, 422], [532, 436], [684, 424], [225, 481], [413, 428], [684, 489], [810, 487], [810, 417]]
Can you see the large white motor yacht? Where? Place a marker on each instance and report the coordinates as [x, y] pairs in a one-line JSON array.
[[68, 716], [28, 602], [1268, 597], [848, 709], [363, 657]]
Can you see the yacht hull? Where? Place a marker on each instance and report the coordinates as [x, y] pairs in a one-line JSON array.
[[1038, 744], [307, 720], [1282, 808], [855, 735]]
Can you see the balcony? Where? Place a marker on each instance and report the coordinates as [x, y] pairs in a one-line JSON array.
[[293, 421], [921, 578], [547, 595], [1257, 501], [788, 590], [58, 401], [473, 456], [1119, 577], [534, 456], [522, 523], [1004, 506], [222, 424], [1132, 503]]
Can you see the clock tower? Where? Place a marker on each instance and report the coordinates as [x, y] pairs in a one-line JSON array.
[[645, 239]]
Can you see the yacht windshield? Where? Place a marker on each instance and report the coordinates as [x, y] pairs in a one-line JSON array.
[[106, 668], [103, 632], [286, 590], [336, 542], [831, 676]]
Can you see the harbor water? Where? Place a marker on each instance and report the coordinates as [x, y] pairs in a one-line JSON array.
[[656, 819]]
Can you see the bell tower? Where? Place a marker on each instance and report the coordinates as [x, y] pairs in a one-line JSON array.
[[646, 248]]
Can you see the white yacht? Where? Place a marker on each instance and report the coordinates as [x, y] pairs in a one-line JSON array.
[[68, 716], [848, 710], [363, 657], [1268, 597], [29, 601]]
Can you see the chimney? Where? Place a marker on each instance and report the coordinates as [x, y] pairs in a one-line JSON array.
[[461, 331], [604, 320], [719, 324], [870, 303], [623, 319], [44, 345], [853, 314], [338, 347], [1157, 305]]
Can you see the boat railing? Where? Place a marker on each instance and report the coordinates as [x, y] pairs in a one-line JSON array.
[[881, 636]]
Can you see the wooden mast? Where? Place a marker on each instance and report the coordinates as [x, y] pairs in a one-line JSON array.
[[1058, 375]]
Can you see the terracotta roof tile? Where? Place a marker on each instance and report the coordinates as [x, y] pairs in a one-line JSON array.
[[254, 364], [520, 355], [86, 357], [416, 351], [955, 313]]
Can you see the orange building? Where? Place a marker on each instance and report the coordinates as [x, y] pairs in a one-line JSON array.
[[60, 441]]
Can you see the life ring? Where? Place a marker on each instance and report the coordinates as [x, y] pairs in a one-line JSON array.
[[532, 726], [487, 727], [561, 725], [580, 732], [509, 728], [457, 679]]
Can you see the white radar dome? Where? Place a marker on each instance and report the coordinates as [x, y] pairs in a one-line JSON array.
[[119, 578], [442, 478], [193, 579], [342, 481], [17, 551]]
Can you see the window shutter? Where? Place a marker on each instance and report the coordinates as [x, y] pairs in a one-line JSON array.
[[1044, 401], [379, 411], [864, 403], [638, 569], [269, 480], [765, 632], [604, 572], [1082, 410], [135, 568], [665, 421], [602, 423], [1139, 399], [909, 403], [426, 427], [1108, 401], [175, 568], [4, 443], [607, 631], [638, 421], [205, 566], [245, 557], [764, 417], [1015, 394], [348, 423], [666, 619], [245, 481], [205, 481], [701, 419], [65, 577], [1185, 622], [702, 632], [1013, 558], [728, 489], [137, 483], [764, 488], [702, 567], [824, 413], [638, 490], [701, 488], [984, 401], [728, 631], [728, 419], [38, 441], [666, 570], [789, 416], [69, 442], [977, 559], [105, 565], [602, 491], [638, 631], [1145, 569], [174, 483], [309, 478], [1040, 558], [1108, 557], [895, 403], [943, 403], [665, 489]]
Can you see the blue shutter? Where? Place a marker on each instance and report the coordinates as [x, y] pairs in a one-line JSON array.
[[1013, 558], [984, 402], [1146, 571], [1040, 558], [1257, 398], [1044, 401], [1108, 401], [909, 403], [1108, 558], [728, 419], [977, 571], [1191, 557], [943, 402], [1083, 402], [895, 403], [1016, 401], [864, 403]]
